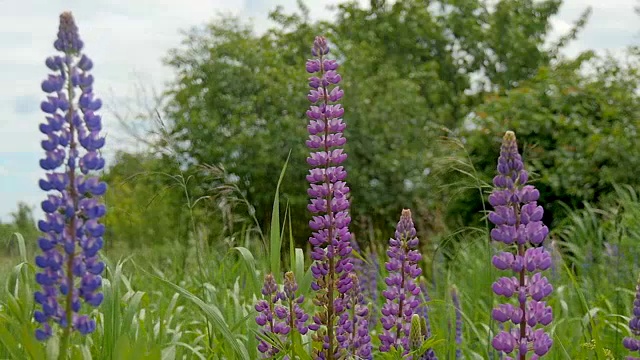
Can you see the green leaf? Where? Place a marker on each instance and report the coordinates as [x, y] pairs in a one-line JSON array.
[[250, 263], [211, 312], [275, 240]]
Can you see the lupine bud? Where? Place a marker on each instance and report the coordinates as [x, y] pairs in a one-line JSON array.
[[69, 264], [402, 293], [418, 334], [331, 239], [518, 220]]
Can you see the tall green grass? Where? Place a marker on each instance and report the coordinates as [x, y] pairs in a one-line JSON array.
[[203, 308]]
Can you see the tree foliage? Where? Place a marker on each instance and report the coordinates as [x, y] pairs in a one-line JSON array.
[[579, 122], [411, 69]]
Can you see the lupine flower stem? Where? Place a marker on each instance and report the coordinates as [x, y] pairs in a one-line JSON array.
[[64, 341]]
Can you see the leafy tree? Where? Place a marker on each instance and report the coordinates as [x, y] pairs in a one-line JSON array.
[[578, 122], [22, 222], [408, 72]]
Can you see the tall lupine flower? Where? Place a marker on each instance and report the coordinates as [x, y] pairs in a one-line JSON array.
[[402, 293], [328, 191], [278, 313], [353, 326], [458, 310], [518, 220], [633, 343], [72, 235]]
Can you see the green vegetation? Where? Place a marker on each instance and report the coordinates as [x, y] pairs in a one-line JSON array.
[[192, 225]]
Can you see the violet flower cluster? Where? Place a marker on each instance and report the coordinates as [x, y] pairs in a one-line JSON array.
[[633, 343], [70, 269], [328, 191], [353, 326], [402, 293], [458, 310], [278, 313], [518, 220], [367, 272]]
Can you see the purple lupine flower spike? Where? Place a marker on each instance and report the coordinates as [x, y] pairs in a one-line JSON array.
[[271, 317], [402, 293], [72, 234], [353, 326], [518, 220], [633, 343], [329, 200], [296, 318], [458, 310]]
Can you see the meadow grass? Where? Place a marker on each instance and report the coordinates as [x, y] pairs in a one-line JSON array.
[[155, 310]]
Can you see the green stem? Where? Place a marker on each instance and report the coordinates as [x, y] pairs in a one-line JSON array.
[[73, 194]]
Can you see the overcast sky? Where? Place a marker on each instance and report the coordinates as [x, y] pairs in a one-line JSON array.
[[127, 40]]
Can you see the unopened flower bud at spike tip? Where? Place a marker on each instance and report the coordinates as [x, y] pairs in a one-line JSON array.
[[509, 136], [68, 39]]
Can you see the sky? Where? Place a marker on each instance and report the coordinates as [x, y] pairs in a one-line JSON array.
[[127, 40]]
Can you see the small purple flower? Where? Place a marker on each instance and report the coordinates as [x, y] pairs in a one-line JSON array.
[[270, 319], [331, 239], [353, 326], [279, 313], [367, 272], [402, 293], [456, 304], [518, 220], [633, 343], [72, 234]]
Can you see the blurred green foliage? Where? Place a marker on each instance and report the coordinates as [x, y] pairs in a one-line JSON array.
[[21, 221], [145, 204]]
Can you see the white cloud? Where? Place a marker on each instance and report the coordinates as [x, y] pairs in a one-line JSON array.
[[124, 37]]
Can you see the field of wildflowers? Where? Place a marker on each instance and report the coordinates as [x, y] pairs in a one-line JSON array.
[[513, 290]]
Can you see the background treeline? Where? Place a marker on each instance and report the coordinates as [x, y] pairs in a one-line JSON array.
[[430, 87]]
